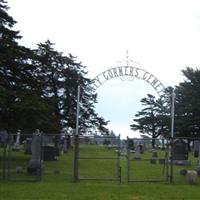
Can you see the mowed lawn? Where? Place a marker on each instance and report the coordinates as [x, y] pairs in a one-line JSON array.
[[57, 179]]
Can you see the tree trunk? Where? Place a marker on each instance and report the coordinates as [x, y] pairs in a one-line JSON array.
[[153, 142]]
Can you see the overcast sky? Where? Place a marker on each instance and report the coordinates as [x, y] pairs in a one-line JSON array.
[[163, 36]]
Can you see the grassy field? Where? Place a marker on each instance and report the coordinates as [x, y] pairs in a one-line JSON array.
[[57, 179]]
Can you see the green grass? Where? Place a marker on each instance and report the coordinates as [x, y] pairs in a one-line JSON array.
[[60, 186]]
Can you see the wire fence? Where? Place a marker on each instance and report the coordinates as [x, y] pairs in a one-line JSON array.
[[34, 157], [106, 158]]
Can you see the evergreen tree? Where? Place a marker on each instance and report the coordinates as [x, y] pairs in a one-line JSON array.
[[152, 120], [61, 75], [187, 107], [20, 104]]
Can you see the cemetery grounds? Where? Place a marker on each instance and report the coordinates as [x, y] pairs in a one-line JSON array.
[[56, 181]]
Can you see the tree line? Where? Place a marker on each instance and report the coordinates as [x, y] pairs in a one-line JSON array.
[[38, 87], [155, 117]]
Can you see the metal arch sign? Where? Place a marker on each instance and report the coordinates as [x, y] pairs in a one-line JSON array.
[[128, 71]]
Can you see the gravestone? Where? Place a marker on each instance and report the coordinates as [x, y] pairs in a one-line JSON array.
[[49, 153], [153, 159], [3, 138], [57, 144], [27, 146], [68, 141], [183, 172], [141, 148], [137, 153], [65, 145], [196, 148], [35, 164], [191, 177], [16, 146], [131, 144], [180, 149], [46, 140], [180, 152], [19, 169]]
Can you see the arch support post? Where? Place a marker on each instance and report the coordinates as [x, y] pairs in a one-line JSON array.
[[172, 135]]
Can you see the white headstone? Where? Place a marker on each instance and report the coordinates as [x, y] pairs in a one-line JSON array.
[[16, 146], [137, 153], [191, 176], [35, 162]]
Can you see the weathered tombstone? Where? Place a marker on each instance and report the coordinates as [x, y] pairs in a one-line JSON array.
[[27, 146], [3, 138], [68, 141], [49, 150], [191, 176], [196, 148], [65, 145], [180, 152], [57, 144], [131, 144], [141, 148], [137, 153], [19, 169], [35, 164], [16, 146], [46, 140]]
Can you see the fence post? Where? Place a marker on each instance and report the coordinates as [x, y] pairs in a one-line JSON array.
[[75, 167], [4, 162], [118, 160]]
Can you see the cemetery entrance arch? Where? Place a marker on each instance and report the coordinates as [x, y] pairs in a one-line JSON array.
[[113, 73], [128, 71]]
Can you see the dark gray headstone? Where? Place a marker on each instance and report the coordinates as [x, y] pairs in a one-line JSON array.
[[183, 172], [180, 150], [196, 148], [3, 137], [65, 145], [130, 144], [49, 153]]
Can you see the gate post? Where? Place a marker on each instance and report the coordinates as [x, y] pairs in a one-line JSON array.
[[127, 160]]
